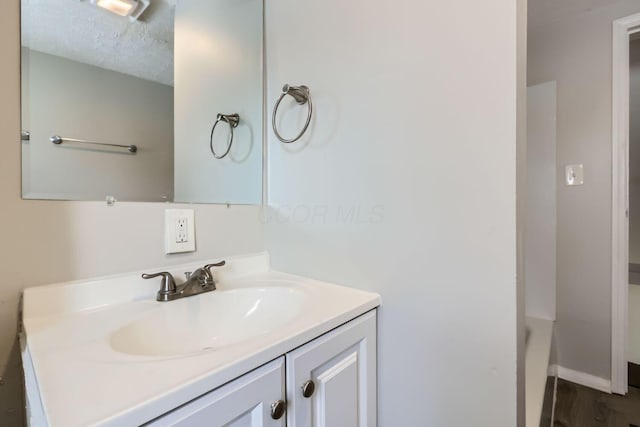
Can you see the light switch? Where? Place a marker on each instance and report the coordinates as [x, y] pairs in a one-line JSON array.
[[179, 231], [574, 174]]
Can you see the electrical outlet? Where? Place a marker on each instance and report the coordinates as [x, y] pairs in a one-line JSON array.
[[179, 231]]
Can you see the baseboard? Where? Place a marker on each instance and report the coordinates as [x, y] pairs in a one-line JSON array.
[[587, 380]]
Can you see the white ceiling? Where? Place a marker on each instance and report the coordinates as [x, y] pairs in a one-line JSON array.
[[80, 31], [542, 12]]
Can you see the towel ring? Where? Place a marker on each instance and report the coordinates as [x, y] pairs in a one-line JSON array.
[[232, 120], [302, 96]]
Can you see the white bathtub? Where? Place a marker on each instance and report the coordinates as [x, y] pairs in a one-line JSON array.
[[538, 351]]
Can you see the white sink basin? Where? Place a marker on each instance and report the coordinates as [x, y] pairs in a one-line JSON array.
[[209, 321], [149, 356]]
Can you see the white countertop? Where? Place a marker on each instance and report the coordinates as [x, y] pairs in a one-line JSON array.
[[81, 380]]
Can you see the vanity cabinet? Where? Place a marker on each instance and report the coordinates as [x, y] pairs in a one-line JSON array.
[[330, 382], [244, 402]]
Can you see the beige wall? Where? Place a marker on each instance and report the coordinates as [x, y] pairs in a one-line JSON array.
[[634, 324], [81, 101], [634, 198], [634, 153], [576, 52], [54, 241]]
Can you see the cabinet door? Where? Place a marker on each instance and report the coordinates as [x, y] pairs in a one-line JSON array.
[[342, 367], [244, 402]]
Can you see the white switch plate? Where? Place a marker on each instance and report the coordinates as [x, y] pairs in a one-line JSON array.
[[179, 231], [574, 174]]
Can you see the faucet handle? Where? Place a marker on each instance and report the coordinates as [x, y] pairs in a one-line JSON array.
[[207, 269], [167, 286]]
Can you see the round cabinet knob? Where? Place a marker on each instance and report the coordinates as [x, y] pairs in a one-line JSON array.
[[277, 409], [308, 388]]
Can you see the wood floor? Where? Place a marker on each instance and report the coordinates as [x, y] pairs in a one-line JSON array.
[[578, 406]]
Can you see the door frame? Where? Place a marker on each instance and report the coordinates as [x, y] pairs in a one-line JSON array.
[[623, 28]]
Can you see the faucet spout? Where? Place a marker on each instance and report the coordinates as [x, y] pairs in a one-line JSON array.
[[198, 282]]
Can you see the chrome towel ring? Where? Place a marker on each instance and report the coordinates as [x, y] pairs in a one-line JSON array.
[[232, 120], [302, 96]]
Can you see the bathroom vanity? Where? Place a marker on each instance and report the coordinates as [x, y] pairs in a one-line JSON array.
[[264, 349]]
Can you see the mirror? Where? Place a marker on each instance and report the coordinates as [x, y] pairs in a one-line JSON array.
[[119, 99]]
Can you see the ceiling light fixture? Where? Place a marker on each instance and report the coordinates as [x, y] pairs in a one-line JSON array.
[[131, 8]]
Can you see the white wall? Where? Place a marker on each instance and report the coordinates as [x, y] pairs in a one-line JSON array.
[[576, 52], [540, 238], [81, 101], [406, 185], [56, 241], [521, 207], [218, 51]]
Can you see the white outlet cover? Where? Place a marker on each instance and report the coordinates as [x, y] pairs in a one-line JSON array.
[[574, 175], [171, 246]]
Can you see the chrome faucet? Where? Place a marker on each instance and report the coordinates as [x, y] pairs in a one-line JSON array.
[[198, 282]]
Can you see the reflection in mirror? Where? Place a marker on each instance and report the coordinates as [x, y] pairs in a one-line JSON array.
[[218, 71], [95, 83]]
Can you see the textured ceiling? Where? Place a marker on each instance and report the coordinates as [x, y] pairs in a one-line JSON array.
[[80, 31], [542, 12]]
